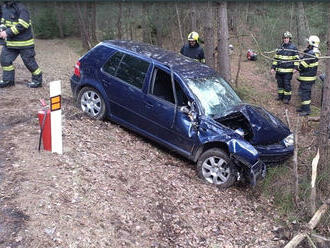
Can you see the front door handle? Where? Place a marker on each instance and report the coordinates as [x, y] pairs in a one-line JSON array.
[[149, 105]]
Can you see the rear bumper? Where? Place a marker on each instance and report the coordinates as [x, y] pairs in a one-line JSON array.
[[74, 86]]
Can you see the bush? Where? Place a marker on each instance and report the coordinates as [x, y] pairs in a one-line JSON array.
[[45, 26]]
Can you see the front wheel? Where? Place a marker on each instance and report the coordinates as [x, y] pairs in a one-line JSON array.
[[91, 102], [214, 166]]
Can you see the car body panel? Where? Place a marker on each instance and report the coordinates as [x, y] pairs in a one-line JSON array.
[[247, 133], [266, 128]]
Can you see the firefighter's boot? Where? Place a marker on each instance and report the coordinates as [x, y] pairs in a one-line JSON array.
[[286, 101], [299, 109], [34, 84], [4, 84], [279, 97], [305, 110]]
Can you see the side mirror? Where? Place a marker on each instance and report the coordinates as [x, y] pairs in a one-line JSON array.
[[189, 110], [185, 109]]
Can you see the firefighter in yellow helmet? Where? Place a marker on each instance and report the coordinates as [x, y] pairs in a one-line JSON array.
[[284, 63], [193, 49], [307, 74]]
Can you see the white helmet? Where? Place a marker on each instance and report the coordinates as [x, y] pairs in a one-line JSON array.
[[314, 41]]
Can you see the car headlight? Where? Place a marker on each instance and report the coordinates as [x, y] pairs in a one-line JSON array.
[[289, 140]]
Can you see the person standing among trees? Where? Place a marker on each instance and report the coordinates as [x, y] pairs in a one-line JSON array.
[[307, 70], [284, 65], [19, 41], [193, 49]]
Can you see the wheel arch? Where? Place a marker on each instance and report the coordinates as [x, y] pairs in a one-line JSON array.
[[216, 144], [96, 86], [105, 112]]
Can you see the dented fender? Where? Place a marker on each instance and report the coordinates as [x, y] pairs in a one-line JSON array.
[[243, 149]]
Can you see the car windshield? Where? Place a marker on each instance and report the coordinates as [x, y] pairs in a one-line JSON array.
[[215, 95]]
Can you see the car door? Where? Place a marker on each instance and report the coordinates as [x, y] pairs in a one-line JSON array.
[[123, 77], [166, 121]]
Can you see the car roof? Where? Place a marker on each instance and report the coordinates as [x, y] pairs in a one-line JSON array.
[[183, 66]]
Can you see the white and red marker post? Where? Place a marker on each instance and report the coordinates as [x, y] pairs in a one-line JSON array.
[[50, 120], [56, 116]]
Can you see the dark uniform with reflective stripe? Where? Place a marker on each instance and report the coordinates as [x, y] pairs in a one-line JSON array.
[[308, 69], [283, 65], [16, 17], [195, 52]]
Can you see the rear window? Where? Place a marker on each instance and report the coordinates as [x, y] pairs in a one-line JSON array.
[[128, 68], [113, 63]]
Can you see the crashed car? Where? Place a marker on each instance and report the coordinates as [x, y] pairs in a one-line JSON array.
[[181, 104]]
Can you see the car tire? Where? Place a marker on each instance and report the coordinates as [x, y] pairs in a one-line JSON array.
[[214, 166], [91, 103]]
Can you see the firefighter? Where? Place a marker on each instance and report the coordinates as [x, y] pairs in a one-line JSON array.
[[19, 41], [307, 74], [284, 65], [193, 49]]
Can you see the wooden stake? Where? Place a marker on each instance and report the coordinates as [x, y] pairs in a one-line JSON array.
[[295, 241], [314, 175]]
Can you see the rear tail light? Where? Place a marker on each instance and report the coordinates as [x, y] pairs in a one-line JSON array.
[[77, 69]]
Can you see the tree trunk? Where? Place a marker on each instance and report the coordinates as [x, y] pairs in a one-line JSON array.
[[223, 53], [208, 35], [145, 24], [324, 128], [59, 18], [93, 22], [295, 164], [119, 26], [86, 41], [179, 22], [301, 25], [137, 22], [193, 14]]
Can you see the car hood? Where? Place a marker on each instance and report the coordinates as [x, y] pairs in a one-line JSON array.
[[256, 124]]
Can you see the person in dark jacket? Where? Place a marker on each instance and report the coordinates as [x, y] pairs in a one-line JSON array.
[[307, 74], [193, 49], [285, 61], [18, 41]]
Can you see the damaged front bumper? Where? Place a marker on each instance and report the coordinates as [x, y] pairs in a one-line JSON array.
[[257, 171], [276, 153], [248, 172]]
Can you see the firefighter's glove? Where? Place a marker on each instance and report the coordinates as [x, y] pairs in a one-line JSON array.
[[3, 34]]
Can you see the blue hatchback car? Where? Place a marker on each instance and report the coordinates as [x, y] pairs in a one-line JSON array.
[[183, 105]]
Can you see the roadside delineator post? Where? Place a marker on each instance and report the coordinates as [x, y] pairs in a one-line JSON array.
[[56, 116]]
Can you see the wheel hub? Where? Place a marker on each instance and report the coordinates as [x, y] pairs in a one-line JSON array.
[[215, 171]]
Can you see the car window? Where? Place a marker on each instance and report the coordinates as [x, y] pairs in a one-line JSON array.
[[112, 64], [181, 97], [132, 70], [162, 85]]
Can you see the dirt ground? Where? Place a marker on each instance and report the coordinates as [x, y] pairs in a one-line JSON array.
[[111, 187]]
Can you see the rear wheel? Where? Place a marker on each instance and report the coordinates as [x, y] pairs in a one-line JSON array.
[[91, 102], [214, 167]]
